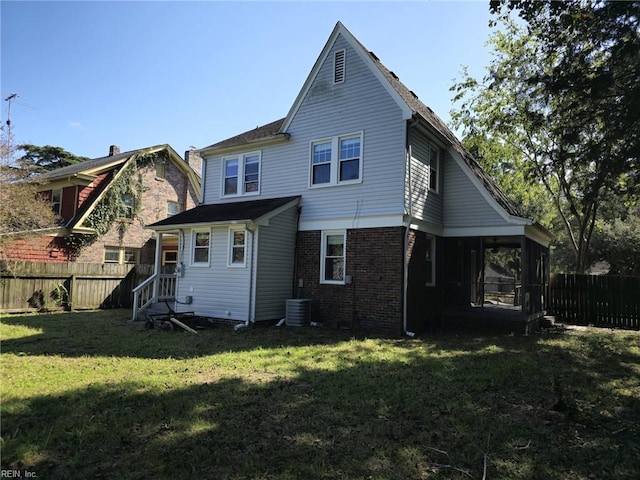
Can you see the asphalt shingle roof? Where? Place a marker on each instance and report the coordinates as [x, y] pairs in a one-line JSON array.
[[265, 131], [92, 164], [225, 212]]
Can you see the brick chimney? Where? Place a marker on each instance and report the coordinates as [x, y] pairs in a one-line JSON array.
[[114, 150], [194, 160]]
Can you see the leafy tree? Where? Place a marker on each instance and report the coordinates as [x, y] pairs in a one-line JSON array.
[[617, 241], [22, 209], [562, 91], [38, 159]]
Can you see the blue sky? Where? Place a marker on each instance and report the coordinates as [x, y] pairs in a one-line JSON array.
[[135, 74]]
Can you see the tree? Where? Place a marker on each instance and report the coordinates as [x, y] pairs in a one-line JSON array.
[[563, 92], [23, 211], [38, 159]]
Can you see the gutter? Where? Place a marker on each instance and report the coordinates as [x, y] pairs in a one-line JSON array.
[[264, 141]]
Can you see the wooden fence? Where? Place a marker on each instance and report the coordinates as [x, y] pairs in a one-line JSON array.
[[596, 300], [31, 286]]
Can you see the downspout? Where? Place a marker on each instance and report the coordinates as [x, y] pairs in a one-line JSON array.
[[249, 320], [405, 287], [294, 283]]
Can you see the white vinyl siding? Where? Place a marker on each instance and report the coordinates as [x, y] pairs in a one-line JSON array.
[[217, 291], [464, 204], [275, 265], [361, 104], [426, 202]]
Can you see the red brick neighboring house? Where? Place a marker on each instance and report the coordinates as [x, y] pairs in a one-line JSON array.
[[163, 184]]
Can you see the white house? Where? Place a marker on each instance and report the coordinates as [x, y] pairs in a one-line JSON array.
[[360, 199]]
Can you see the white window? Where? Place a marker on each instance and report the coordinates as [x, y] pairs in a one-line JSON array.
[[336, 160], [241, 174], [200, 247], [173, 208], [121, 255], [333, 257], [338, 66], [434, 167], [127, 206], [237, 247], [430, 261], [56, 200]]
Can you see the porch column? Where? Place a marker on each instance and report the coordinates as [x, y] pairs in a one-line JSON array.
[[156, 265]]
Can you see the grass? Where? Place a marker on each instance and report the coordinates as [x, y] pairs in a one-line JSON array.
[[90, 395]]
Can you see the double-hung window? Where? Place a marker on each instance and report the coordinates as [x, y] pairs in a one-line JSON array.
[[237, 247], [127, 206], [333, 257], [56, 200], [121, 255], [336, 160], [430, 261], [200, 247], [241, 174]]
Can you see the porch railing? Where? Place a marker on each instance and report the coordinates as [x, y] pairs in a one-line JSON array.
[[156, 287]]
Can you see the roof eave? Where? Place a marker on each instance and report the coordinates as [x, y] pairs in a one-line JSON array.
[[258, 142]]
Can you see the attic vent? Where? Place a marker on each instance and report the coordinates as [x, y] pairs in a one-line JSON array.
[[374, 56], [394, 75], [413, 93], [338, 67]]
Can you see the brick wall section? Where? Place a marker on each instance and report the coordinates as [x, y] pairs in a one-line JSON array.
[[373, 302], [157, 192], [36, 249]]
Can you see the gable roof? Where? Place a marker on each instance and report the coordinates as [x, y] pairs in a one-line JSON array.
[[411, 106], [259, 135], [93, 167], [224, 213], [86, 172]]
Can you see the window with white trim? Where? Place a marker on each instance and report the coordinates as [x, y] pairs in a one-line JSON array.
[[336, 160], [56, 200], [122, 255], [338, 66], [333, 257], [430, 261], [434, 168], [201, 241], [241, 174], [127, 207], [173, 208], [237, 247]]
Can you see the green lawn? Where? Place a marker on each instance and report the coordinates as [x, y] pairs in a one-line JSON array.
[[90, 395]]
